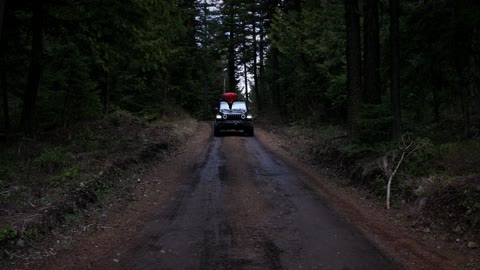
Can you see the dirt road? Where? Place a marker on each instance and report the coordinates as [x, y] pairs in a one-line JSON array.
[[244, 209], [229, 204]]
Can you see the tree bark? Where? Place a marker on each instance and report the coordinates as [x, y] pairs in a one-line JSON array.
[[231, 68], [106, 94], [255, 72], [437, 87], [465, 101], [3, 72], [35, 70], [2, 9], [231, 52], [463, 52], [462, 84], [371, 90], [261, 76], [66, 101], [245, 74], [275, 94], [395, 69], [3, 85], [354, 65]]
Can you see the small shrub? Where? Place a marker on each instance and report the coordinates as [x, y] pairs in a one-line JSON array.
[[329, 132], [64, 177], [468, 201], [377, 186], [52, 159], [361, 150], [116, 118], [86, 135], [428, 186], [87, 140], [7, 169], [459, 158], [450, 159], [72, 218], [7, 233], [458, 202], [374, 124]]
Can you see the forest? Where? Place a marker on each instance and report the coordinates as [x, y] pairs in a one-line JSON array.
[[379, 67], [382, 82]]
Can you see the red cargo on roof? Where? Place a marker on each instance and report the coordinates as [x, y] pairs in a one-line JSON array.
[[229, 97]]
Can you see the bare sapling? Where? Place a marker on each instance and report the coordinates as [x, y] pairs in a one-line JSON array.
[[390, 163]]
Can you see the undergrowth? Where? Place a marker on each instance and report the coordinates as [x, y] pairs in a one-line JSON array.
[[33, 174], [444, 172]]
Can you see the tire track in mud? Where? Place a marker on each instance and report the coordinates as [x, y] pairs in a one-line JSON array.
[[307, 233], [249, 212], [194, 232]]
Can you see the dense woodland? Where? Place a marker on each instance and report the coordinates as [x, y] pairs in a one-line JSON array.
[[380, 67], [373, 83]]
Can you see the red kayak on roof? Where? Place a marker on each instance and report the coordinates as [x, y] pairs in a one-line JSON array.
[[229, 97]]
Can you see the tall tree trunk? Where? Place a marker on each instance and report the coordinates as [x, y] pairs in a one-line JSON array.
[[34, 71], [371, 80], [245, 74], [275, 94], [206, 109], [231, 53], [437, 87], [3, 85], [465, 102], [354, 65], [3, 72], [463, 51], [66, 100], [462, 84], [395, 69], [2, 9], [106, 94], [231, 68], [255, 72], [261, 59]]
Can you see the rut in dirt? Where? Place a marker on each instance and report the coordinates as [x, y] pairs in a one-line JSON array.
[[243, 208]]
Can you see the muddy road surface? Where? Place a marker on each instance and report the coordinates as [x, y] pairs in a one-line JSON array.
[[243, 208], [237, 206]]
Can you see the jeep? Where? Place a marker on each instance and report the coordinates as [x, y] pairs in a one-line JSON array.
[[232, 114]]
